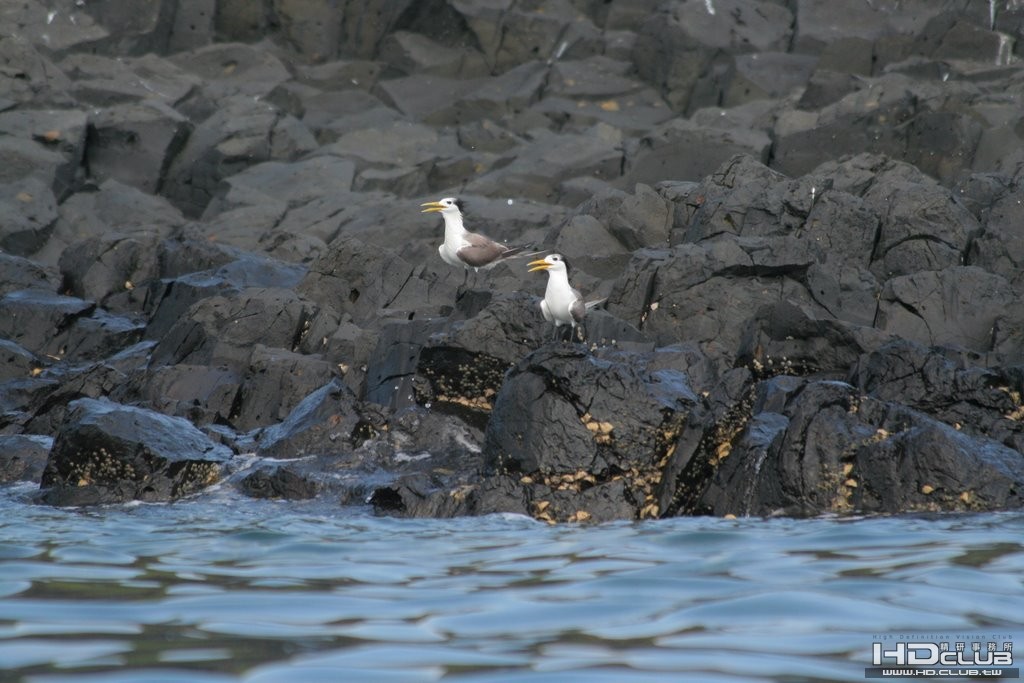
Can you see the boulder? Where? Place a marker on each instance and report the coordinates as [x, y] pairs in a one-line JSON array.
[[567, 420], [23, 457], [278, 483], [111, 453], [328, 421]]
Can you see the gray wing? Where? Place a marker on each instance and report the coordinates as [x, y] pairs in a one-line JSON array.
[[481, 251], [578, 308]]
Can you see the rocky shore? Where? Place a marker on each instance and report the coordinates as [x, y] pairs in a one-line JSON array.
[[805, 218]]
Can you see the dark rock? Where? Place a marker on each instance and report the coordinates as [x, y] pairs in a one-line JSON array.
[[570, 421], [39, 320], [948, 386], [275, 382], [99, 335], [23, 457], [415, 53], [927, 465], [112, 208], [110, 453], [228, 70], [682, 150], [767, 75], [327, 422], [369, 283], [680, 47], [510, 36], [29, 76], [60, 131], [113, 270], [236, 136], [917, 307], [552, 158], [223, 329], [21, 273], [30, 210], [222, 274], [134, 143], [796, 447], [332, 114], [278, 482], [997, 248], [40, 403], [110, 81], [16, 362], [782, 339], [201, 394]]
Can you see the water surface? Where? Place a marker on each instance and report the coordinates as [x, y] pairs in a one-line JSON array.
[[225, 589]]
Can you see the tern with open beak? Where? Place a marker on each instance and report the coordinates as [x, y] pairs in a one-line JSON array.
[[462, 248], [562, 304]]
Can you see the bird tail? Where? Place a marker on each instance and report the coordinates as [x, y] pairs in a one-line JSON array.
[[520, 251], [595, 302]]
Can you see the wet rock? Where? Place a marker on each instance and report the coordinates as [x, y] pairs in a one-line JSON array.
[[201, 394], [788, 445], [278, 482], [16, 362], [37, 405], [928, 465], [23, 457], [110, 453], [327, 422], [783, 339], [571, 421], [39, 320], [948, 386], [22, 273]]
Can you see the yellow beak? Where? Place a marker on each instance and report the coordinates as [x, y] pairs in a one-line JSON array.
[[432, 206], [538, 265]]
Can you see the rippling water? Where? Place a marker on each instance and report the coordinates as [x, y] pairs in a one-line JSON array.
[[223, 589]]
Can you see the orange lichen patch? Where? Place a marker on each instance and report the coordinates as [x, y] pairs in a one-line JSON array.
[[609, 105]]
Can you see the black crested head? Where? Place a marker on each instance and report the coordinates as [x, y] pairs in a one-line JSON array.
[[461, 205]]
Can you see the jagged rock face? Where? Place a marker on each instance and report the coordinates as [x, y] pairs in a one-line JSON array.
[[802, 220]]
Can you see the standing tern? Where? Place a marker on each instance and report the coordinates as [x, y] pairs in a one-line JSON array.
[[465, 249], [562, 304]]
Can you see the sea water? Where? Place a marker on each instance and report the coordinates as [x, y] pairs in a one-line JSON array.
[[220, 588]]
